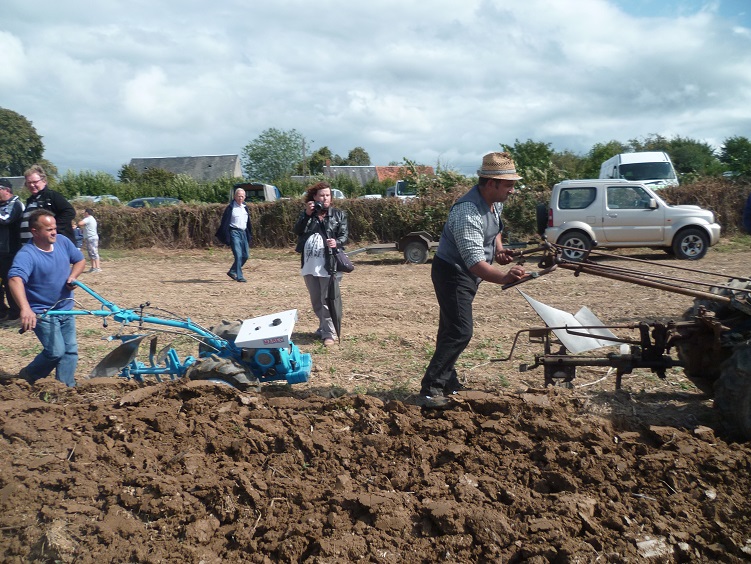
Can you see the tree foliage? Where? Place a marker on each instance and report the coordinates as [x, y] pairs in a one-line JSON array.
[[534, 163], [736, 155], [273, 155], [598, 154], [358, 157], [20, 144]]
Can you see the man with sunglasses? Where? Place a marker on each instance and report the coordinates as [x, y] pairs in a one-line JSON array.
[[44, 198]]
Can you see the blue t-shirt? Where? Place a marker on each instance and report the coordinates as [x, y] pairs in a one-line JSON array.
[[45, 274]]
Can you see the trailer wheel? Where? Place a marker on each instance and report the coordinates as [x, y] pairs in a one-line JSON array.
[[581, 245], [733, 393], [416, 252], [691, 244], [216, 368]]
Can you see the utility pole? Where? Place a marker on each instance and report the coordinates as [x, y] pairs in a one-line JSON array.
[[304, 164]]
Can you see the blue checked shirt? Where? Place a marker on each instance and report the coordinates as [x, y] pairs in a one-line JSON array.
[[465, 223]]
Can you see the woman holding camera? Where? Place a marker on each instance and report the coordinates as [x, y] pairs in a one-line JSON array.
[[320, 229]]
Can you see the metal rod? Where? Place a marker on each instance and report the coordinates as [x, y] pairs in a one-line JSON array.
[[581, 267]]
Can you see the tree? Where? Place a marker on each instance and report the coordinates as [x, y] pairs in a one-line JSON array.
[[317, 161], [736, 154], [598, 154], [273, 155], [20, 144], [358, 157], [534, 163]]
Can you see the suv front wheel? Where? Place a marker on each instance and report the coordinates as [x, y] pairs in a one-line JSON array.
[[691, 244], [580, 245]]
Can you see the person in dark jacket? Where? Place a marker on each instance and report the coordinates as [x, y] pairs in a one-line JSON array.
[[11, 213], [747, 215], [43, 198], [236, 232], [319, 217]]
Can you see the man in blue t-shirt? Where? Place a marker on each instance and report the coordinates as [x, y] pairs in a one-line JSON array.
[[40, 279]]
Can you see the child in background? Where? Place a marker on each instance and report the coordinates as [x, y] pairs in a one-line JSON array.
[[77, 233], [91, 238]]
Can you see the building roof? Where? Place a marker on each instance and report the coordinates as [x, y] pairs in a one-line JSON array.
[[364, 174], [203, 169]]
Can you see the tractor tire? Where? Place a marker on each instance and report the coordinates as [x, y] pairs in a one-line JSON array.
[[225, 369], [703, 365], [226, 330], [691, 244], [416, 252], [581, 245], [733, 393]]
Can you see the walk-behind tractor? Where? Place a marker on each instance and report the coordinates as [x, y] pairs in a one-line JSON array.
[[242, 354], [712, 342]]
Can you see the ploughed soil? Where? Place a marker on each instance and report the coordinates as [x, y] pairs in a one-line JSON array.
[[346, 467]]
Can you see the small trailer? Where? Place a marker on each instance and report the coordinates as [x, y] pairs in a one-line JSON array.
[[416, 247]]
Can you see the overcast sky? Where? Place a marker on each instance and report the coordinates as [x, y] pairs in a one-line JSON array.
[[437, 81]]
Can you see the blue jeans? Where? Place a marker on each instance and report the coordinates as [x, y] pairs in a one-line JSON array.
[[57, 333], [240, 251]]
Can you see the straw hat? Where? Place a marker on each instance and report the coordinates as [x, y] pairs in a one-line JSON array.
[[498, 165]]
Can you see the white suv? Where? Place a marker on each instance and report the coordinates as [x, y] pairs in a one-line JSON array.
[[618, 213]]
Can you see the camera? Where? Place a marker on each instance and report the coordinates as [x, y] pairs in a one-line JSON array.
[[318, 207]]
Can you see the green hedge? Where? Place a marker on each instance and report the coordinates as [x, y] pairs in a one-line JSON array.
[[192, 226]]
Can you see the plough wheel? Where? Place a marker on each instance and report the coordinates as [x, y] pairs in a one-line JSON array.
[[733, 392], [226, 330], [703, 363], [226, 369]]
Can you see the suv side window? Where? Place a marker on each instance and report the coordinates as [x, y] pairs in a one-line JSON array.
[[576, 198], [627, 198]]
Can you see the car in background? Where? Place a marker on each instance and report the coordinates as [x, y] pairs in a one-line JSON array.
[[616, 213], [153, 202], [104, 198], [337, 194], [258, 192], [370, 197]]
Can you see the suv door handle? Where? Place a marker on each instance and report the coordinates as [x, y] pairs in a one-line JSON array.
[[612, 215]]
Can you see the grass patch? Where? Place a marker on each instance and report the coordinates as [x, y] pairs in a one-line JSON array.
[[733, 244]]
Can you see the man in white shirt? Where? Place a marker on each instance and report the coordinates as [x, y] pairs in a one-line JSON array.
[[235, 231]]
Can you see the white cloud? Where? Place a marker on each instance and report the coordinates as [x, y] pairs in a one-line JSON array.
[[12, 61], [109, 81]]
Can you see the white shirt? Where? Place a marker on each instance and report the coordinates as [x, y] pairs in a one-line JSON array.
[[89, 227], [239, 217], [314, 253]]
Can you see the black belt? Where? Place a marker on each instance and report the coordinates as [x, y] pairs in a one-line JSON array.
[[237, 229]]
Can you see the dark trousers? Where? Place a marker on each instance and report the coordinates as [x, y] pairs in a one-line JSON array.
[[13, 311], [455, 291]]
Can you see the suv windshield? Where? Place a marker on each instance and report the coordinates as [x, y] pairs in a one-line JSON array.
[[647, 171]]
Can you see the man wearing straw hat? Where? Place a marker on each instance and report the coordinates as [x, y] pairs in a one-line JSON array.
[[469, 244]]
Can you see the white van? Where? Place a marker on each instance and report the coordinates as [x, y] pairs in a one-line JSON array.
[[653, 168], [401, 190]]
